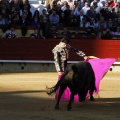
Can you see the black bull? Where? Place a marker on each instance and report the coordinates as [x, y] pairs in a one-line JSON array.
[[80, 79]]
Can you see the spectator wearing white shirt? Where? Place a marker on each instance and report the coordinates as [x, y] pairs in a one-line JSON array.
[[99, 4], [85, 8]]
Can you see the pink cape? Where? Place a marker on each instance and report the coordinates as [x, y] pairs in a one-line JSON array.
[[100, 67]]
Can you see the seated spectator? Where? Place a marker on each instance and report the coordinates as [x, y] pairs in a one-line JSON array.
[[67, 12], [101, 23], [97, 11], [2, 20], [99, 4], [72, 20], [43, 15], [36, 34], [91, 13], [58, 10], [81, 3], [36, 15], [35, 22], [54, 19], [65, 32], [10, 33], [115, 13], [106, 34], [106, 13], [118, 21], [93, 23], [117, 32], [63, 21], [84, 22], [45, 25], [85, 8], [64, 7], [109, 24]]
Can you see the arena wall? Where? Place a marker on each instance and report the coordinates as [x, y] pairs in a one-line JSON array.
[[35, 55]]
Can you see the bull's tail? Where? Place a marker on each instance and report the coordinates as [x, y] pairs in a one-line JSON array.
[[53, 89]]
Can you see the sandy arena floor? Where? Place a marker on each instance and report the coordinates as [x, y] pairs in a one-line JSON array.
[[23, 97]]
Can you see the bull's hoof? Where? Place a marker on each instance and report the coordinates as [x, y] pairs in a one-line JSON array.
[[82, 100], [56, 107], [69, 108], [91, 98]]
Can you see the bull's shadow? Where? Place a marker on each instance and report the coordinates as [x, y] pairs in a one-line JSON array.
[[35, 104]]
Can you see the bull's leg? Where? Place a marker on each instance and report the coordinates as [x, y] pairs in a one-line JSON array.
[[82, 95], [61, 90], [91, 95], [69, 107]]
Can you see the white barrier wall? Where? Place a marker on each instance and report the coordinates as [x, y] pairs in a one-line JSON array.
[[6, 67]]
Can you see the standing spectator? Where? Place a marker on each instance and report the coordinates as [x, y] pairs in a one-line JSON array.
[[10, 33]]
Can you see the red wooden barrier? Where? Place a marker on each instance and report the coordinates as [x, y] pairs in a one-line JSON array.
[[41, 49]]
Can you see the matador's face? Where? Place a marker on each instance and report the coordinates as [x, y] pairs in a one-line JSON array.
[[63, 45]]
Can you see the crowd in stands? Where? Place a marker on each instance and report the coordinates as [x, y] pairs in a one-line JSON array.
[[96, 17]]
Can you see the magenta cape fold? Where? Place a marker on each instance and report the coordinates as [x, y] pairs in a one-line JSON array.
[[100, 67]]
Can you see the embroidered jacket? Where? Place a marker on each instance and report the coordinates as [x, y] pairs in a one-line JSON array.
[[61, 56]]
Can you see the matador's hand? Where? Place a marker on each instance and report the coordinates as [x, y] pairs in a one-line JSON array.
[[86, 58]]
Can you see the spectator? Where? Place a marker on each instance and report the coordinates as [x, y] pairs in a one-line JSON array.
[[44, 15], [85, 8], [36, 34], [58, 10], [107, 14], [67, 12], [117, 32], [84, 23], [106, 34], [45, 25], [99, 4], [66, 32], [63, 20], [54, 19], [24, 24], [64, 7], [35, 22], [36, 15], [101, 23], [91, 13], [81, 3], [10, 33], [72, 20]]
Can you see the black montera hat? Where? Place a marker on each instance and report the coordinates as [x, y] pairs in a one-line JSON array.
[[65, 40]]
